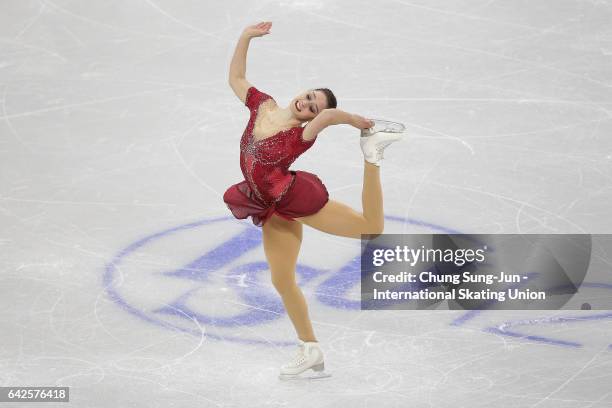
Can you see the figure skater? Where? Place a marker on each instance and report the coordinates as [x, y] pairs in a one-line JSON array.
[[281, 200]]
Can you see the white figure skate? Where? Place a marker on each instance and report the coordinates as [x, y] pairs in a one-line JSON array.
[[309, 357], [374, 140]]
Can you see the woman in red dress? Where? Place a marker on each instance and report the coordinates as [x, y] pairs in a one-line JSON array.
[[281, 200]]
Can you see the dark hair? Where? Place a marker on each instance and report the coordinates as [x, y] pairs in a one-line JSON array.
[[331, 98]]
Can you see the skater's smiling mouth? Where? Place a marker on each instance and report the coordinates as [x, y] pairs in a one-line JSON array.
[[300, 105]]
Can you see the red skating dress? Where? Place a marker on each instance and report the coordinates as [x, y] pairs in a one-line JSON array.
[[269, 186]]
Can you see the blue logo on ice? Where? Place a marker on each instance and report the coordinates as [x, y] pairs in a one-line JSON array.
[[217, 295]]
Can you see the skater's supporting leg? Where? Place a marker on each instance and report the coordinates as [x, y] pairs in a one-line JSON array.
[[339, 219], [281, 241]]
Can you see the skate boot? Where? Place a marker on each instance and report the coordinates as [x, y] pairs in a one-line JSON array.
[[374, 140], [309, 357]]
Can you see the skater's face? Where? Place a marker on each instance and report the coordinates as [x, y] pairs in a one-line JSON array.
[[308, 104]]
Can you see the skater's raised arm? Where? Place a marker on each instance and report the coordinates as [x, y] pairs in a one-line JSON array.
[[237, 72], [329, 117]]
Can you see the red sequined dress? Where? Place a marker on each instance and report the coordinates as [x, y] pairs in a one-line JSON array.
[[269, 186]]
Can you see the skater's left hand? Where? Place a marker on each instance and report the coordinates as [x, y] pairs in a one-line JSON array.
[[257, 30], [361, 123]]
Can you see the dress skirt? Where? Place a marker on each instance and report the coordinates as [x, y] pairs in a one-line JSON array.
[[305, 196]]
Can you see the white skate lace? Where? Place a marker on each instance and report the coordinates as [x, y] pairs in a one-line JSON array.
[[299, 358]]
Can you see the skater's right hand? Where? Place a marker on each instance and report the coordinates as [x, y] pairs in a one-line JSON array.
[[361, 123], [257, 30]]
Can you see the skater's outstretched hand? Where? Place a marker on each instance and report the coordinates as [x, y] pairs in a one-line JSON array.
[[360, 122], [257, 30]]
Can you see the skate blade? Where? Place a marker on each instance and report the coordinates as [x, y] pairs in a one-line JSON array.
[[386, 126], [316, 375]]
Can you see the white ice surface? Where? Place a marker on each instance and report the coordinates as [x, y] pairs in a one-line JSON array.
[[117, 123]]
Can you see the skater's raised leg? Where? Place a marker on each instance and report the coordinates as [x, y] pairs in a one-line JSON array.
[[340, 219]]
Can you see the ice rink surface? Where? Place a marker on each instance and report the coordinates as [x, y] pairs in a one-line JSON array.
[[124, 277]]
